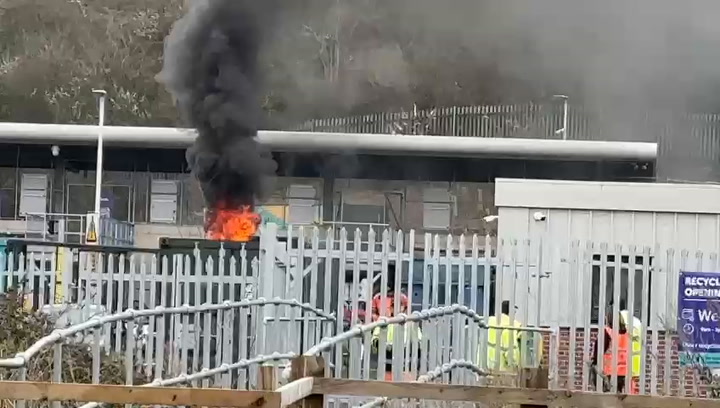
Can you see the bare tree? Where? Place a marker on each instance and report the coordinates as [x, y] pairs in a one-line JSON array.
[[53, 53]]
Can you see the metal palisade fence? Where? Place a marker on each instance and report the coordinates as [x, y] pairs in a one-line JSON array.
[[219, 315], [671, 130]]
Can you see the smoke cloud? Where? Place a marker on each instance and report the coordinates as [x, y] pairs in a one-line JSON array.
[[635, 67], [657, 53], [617, 59], [211, 69]]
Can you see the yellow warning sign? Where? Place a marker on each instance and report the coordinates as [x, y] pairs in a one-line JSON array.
[[91, 234], [59, 274]]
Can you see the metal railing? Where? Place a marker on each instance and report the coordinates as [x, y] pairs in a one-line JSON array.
[[538, 121], [72, 228]]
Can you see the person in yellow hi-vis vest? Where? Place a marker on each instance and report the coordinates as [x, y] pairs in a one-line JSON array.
[[509, 340], [515, 346], [411, 333], [634, 326]]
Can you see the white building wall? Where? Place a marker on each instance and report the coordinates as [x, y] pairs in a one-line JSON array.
[[654, 216]]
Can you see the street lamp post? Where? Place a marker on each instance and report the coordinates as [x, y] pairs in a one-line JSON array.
[[99, 166], [565, 116]]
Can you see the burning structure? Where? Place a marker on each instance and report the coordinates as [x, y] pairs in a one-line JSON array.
[[231, 224], [210, 68]]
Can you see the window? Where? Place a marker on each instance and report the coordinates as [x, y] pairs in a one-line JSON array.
[[193, 202], [367, 214], [8, 192], [395, 210], [81, 198], [624, 283], [114, 200], [437, 209], [141, 197], [33, 193], [163, 201], [362, 217]]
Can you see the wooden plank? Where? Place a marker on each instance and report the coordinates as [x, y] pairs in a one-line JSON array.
[[296, 390], [267, 378], [534, 378], [124, 394], [504, 395], [308, 366]]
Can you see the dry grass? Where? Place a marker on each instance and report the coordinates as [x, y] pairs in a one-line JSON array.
[[20, 328]]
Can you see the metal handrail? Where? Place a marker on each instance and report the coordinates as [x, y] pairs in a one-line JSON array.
[[420, 316], [21, 359], [207, 373], [401, 319], [110, 230]]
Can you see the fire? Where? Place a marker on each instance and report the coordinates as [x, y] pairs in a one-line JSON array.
[[231, 224]]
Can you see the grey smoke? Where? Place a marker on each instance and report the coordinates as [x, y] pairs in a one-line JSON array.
[[211, 68], [658, 53], [617, 59]]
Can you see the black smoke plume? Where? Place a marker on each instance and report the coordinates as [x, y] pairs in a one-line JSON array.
[[211, 68]]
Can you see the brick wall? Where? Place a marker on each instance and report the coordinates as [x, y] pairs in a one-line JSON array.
[[686, 382]]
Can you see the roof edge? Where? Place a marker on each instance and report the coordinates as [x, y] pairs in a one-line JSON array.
[[357, 143]]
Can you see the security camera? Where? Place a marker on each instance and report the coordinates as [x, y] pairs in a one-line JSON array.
[[55, 149], [538, 216]]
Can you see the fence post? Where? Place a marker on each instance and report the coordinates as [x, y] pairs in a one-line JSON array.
[[308, 366], [265, 279], [454, 121], [267, 378], [534, 378]]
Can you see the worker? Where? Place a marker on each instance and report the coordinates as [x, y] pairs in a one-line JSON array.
[[385, 307], [635, 326], [511, 342], [610, 366], [412, 334]]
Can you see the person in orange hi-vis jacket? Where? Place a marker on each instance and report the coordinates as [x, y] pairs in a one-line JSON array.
[[610, 366], [384, 306]]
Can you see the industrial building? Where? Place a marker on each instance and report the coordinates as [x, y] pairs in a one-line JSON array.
[[651, 217], [427, 183], [543, 199]]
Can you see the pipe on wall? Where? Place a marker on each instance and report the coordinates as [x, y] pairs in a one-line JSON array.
[[358, 143]]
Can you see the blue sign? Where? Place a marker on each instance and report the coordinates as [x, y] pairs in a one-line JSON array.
[[699, 318]]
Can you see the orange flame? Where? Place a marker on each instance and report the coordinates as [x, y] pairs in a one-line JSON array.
[[232, 224]]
